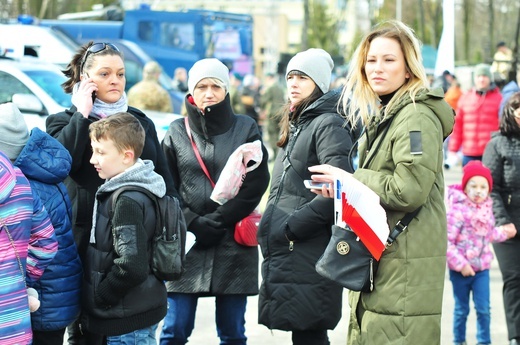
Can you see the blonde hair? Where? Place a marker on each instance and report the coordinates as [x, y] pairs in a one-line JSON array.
[[358, 99]]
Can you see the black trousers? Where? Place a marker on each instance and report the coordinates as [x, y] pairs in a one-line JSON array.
[[315, 337], [78, 335], [48, 337], [508, 256]]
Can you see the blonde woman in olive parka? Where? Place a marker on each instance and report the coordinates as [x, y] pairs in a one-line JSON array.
[[387, 89]]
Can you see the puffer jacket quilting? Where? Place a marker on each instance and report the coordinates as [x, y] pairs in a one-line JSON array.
[[293, 296], [406, 304], [46, 163], [502, 157]]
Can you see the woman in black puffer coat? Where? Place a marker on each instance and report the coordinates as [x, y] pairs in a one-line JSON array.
[[296, 226], [502, 157], [217, 265]]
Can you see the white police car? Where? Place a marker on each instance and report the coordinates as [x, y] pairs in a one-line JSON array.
[[34, 87]]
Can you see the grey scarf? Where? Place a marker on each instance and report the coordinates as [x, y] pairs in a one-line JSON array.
[[101, 109], [140, 174]]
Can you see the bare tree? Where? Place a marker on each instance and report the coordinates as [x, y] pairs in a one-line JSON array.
[[513, 73], [491, 27], [306, 20], [466, 20]]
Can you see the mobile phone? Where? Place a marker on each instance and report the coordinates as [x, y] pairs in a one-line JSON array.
[[310, 184], [85, 75]]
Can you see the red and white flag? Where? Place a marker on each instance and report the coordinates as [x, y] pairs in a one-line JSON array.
[[359, 207]]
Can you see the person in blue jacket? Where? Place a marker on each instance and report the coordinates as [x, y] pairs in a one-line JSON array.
[[46, 163]]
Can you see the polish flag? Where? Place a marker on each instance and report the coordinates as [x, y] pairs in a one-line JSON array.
[[358, 207]]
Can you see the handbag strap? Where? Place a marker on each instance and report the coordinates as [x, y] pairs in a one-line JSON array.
[[403, 223], [197, 153], [401, 226], [20, 266]]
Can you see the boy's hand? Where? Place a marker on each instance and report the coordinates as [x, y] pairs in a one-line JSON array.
[[467, 271]]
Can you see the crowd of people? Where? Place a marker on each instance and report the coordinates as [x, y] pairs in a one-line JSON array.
[[78, 268]]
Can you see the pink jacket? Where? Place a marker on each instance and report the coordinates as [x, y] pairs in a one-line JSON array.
[[471, 228], [476, 117]]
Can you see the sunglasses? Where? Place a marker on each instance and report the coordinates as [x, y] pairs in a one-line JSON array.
[[96, 48]]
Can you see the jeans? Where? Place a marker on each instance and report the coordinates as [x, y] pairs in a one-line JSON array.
[[467, 159], [145, 336], [462, 286], [180, 319]]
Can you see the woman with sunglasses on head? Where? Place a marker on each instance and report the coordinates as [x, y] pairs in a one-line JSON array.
[[97, 84], [502, 157]]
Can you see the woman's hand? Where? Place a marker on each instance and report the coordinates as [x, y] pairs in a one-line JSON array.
[[82, 98], [510, 230], [327, 174]]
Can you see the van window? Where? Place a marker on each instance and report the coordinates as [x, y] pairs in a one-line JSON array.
[[145, 31], [181, 36]]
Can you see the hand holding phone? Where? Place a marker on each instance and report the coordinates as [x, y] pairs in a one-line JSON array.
[[310, 184], [85, 77]]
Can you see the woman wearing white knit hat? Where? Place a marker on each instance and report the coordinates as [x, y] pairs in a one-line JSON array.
[[216, 265], [295, 228]]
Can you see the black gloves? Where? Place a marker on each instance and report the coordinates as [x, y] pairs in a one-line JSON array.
[[208, 232]]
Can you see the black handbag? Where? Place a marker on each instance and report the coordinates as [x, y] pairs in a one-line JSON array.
[[348, 262]]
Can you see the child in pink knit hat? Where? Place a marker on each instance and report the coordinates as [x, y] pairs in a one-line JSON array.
[[471, 228]]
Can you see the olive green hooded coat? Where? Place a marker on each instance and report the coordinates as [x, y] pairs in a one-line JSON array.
[[406, 171]]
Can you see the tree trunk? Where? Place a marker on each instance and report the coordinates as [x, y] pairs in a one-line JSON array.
[[422, 21], [513, 71], [467, 28], [305, 40], [491, 27]]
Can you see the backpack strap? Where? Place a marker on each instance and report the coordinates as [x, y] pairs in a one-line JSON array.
[[146, 192]]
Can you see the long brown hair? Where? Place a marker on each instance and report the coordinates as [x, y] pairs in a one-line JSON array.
[[288, 115], [73, 70], [508, 125]]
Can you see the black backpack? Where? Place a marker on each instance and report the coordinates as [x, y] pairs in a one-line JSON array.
[[169, 241]]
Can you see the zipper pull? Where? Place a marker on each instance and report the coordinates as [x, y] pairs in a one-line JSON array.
[[371, 274], [291, 246]]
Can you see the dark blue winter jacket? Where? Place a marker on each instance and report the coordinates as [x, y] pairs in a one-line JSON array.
[[46, 163]]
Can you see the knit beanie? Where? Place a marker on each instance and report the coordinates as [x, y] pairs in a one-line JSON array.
[[14, 133], [476, 168], [483, 69], [207, 68], [314, 62]]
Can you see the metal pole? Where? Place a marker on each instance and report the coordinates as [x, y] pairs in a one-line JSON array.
[[398, 9]]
